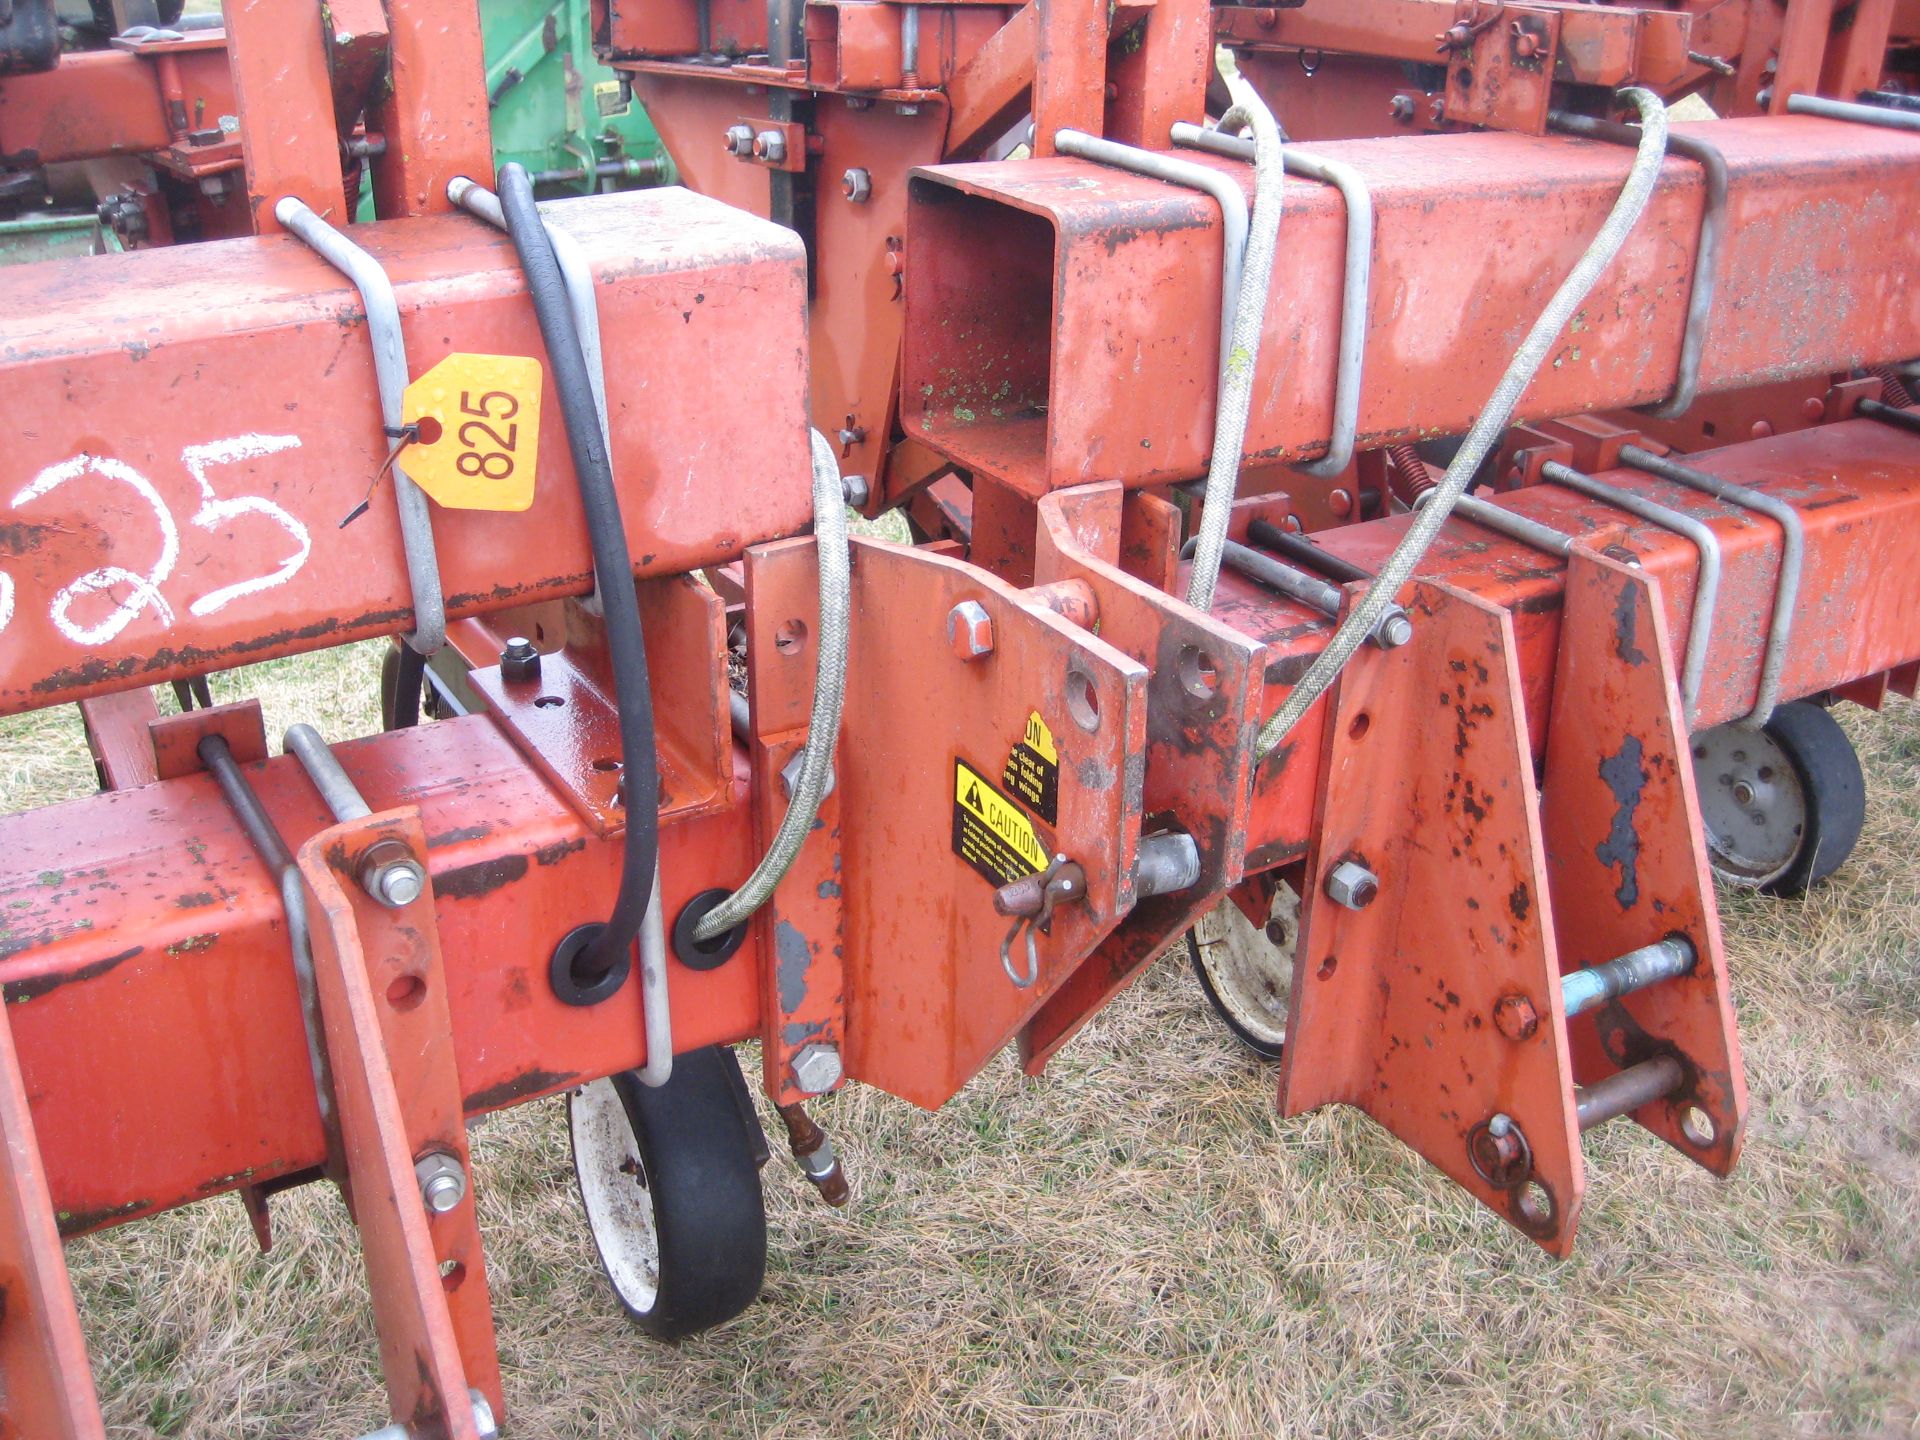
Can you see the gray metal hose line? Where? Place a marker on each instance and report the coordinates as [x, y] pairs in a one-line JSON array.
[[390, 374], [1174, 171], [1526, 362], [829, 690], [1355, 283], [1249, 318]]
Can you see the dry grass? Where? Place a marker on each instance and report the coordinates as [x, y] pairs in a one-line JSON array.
[[1137, 1245]]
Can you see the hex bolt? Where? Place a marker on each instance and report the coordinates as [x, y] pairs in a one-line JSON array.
[[443, 1181], [857, 185], [1352, 885], [970, 630], [390, 874], [739, 140], [771, 146], [1515, 1017], [817, 1069], [1395, 629], [519, 661]]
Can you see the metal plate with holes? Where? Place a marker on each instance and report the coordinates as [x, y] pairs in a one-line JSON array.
[[1627, 858], [928, 998]]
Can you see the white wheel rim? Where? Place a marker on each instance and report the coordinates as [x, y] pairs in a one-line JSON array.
[[1752, 804], [614, 1191], [1251, 974]]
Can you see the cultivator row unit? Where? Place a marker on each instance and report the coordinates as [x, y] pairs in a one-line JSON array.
[[1393, 488]]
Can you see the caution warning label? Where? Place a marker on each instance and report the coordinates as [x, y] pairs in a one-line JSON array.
[[989, 831], [1033, 770]]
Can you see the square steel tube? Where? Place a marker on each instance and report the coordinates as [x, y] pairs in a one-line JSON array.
[[1062, 319], [188, 427]]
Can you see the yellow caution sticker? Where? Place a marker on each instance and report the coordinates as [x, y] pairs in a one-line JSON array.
[[479, 439], [1033, 770], [990, 832], [611, 99]]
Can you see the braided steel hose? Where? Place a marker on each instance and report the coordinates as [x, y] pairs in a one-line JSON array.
[[829, 691], [1526, 362]]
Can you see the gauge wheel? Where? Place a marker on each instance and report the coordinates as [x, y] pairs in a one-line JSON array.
[[1782, 805], [670, 1181], [1247, 971]]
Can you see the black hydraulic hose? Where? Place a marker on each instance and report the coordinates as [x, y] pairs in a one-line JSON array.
[[612, 564]]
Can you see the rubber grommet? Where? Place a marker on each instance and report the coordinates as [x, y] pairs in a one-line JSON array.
[[571, 988], [705, 954]]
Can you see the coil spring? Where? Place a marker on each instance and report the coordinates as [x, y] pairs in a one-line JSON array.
[[1411, 478]]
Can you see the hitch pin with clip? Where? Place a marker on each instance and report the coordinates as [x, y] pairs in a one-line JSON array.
[[1030, 900]]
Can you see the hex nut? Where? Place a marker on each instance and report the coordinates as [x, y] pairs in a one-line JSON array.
[[856, 490], [390, 874], [1401, 108], [857, 185], [443, 1181], [519, 661], [739, 140], [970, 630], [771, 146], [1352, 885], [1515, 1017], [817, 1069]]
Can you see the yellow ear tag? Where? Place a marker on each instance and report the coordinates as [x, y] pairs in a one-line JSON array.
[[479, 441]]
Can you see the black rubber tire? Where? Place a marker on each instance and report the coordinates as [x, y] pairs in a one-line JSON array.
[[1259, 1045], [1836, 793], [695, 1151]]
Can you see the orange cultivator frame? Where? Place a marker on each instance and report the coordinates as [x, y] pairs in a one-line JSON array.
[[232, 971]]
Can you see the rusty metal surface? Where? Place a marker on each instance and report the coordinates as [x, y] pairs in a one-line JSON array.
[[106, 102], [48, 1389], [1627, 859], [1856, 486], [1058, 329], [1202, 696], [1428, 782], [147, 542], [434, 113], [281, 75], [145, 920], [390, 1040], [567, 723], [117, 737], [928, 999], [800, 937]]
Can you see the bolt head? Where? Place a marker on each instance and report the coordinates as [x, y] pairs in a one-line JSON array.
[[817, 1068], [970, 630], [401, 883], [1352, 885], [443, 1181], [857, 185], [1500, 1126], [1515, 1017]]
